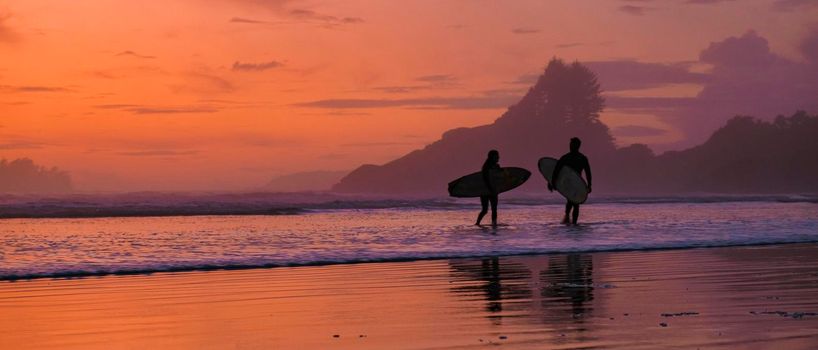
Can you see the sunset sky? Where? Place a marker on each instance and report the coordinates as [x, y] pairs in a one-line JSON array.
[[226, 94]]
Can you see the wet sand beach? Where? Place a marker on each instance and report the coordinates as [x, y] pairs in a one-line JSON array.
[[758, 297]]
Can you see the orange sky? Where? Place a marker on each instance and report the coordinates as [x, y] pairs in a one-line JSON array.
[[225, 94]]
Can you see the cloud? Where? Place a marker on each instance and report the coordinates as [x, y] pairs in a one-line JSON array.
[[312, 16], [134, 54], [634, 10], [32, 88], [706, 2], [638, 131], [157, 153], [484, 101], [204, 83], [792, 5], [399, 89], [747, 50], [525, 30], [649, 103], [262, 140], [568, 45], [631, 75], [7, 34], [378, 144], [809, 47], [346, 113], [143, 109], [333, 156], [247, 20], [115, 106], [172, 110], [284, 9], [746, 78], [15, 145], [437, 78], [255, 67], [619, 75], [429, 82], [526, 79]]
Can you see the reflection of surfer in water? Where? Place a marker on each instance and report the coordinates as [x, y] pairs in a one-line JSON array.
[[577, 161], [490, 163]]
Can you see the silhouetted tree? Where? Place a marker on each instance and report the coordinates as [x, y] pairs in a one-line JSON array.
[[564, 102], [22, 175], [746, 155]]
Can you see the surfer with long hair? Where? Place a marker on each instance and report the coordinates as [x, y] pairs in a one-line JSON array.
[[577, 161], [491, 163]]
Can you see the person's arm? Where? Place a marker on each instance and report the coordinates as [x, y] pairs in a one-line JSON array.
[[554, 174], [588, 173]]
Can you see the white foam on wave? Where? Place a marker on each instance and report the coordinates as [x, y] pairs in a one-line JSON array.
[[31, 248]]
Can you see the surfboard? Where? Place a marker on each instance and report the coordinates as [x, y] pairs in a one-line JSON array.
[[503, 179], [569, 184]]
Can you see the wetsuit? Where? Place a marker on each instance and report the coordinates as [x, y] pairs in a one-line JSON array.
[[492, 198], [579, 163]]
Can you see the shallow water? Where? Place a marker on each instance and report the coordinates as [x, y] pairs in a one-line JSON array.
[[717, 298], [79, 247]]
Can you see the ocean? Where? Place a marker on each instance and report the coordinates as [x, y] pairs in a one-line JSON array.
[[339, 232]]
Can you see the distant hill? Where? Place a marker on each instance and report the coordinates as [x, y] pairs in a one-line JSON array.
[[24, 176], [305, 181], [564, 102], [744, 156]]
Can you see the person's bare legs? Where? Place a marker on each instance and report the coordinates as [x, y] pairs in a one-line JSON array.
[[484, 203], [567, 213], [493, 199]]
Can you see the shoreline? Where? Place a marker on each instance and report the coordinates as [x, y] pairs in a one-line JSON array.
[[73, 275], [723, 298], [276, 204]]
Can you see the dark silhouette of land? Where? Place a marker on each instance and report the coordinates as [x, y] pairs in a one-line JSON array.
[[24, 176], [744, 156]]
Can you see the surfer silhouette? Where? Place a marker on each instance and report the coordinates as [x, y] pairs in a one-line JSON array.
[[490, 163], [577, 161]]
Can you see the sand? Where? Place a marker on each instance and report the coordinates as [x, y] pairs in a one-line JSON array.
[[720, 298]]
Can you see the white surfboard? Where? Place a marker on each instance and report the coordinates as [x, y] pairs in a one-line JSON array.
[[569, 184]]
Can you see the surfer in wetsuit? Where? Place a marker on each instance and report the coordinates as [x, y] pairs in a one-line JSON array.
[[577, 161], [490, 163]]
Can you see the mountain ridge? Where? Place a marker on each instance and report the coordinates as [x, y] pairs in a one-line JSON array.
[[566, 102]]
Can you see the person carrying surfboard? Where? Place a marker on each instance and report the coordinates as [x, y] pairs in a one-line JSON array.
[[579, 163], [492, 162]]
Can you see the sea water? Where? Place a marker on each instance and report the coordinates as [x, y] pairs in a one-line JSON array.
[[76, 247]]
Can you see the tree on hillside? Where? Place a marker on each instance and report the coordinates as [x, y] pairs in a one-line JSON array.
[[565, 101], [747, 155], [568, 98], [566, 93], [23, 175]]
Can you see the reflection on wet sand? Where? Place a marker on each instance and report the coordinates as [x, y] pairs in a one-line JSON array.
[[555, 291], [724, 298], [567, 291], [714, 298], [497, 283], [569, 280]]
